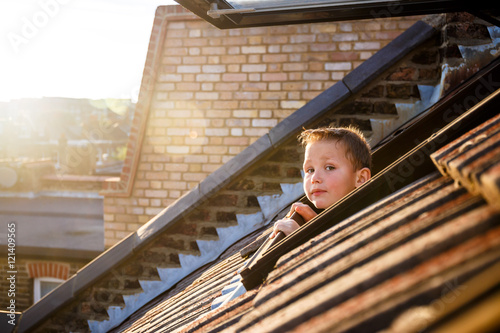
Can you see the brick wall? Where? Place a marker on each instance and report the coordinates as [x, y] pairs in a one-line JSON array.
[[214, 92]]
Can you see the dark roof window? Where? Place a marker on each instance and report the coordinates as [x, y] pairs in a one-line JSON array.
[[247, 13]]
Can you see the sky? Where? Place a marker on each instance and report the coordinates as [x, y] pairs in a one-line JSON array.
[[74, 48]]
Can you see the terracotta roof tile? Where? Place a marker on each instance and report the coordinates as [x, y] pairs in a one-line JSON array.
[[394, 244], [490, 181], [473, 155]]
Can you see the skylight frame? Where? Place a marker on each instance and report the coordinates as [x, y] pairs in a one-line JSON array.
[[228, 14]]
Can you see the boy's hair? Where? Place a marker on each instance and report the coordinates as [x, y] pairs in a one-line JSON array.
[[358, 151]]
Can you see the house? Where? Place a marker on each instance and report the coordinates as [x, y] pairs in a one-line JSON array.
[[46, 237], [51, 212], [416, 247]]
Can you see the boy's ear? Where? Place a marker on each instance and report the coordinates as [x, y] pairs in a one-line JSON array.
[[362, 176]]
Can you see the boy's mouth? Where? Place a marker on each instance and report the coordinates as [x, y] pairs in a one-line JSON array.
[[317, 192]]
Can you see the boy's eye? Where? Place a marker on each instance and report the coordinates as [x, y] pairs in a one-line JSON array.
[[330, 167], [310, 170]]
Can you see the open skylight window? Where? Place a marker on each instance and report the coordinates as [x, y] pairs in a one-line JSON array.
[[226, 14]]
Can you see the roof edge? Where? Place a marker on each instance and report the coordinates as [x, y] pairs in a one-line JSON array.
[[37, 252]]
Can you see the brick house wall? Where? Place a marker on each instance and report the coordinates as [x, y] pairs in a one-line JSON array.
[[211, 93]]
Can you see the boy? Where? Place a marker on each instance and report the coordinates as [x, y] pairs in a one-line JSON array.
[[336, 161]]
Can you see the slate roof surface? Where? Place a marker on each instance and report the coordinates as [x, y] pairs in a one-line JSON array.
[[193, 296], [417, 259]]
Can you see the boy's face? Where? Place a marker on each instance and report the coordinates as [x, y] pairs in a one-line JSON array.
[[329, 175]]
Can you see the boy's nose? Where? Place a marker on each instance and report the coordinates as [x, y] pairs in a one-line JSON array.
[[316, 178]]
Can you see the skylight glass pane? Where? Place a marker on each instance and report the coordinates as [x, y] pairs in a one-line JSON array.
[[257, 4]]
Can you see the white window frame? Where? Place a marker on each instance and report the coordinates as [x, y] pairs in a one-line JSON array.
[[37, 285]]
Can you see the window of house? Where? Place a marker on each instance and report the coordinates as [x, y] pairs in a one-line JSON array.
[[44, 285]]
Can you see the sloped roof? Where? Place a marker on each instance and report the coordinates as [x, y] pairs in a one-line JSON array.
[[57, 227], [194, 295], [106, 270], [415, 259]]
